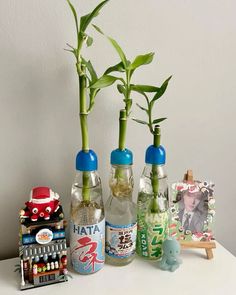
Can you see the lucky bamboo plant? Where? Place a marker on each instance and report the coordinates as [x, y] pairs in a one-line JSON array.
[[155, 131], [125, 87], [87, 76]]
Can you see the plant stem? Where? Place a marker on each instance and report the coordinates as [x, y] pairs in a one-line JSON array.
[[157, 136], [150, 118], [122, 129], [155, 188], [86, 187], [122, 136], [83, 110], [84, 127], [154, 173], [127, 94]]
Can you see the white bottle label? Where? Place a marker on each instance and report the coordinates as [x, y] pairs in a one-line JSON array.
[[121, 240], [87, 246]]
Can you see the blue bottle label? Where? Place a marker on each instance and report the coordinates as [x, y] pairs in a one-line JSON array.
[[87, 247], [121, 240]]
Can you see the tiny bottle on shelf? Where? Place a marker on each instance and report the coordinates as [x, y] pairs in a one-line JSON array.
[[87, 225], [121, 214], [153, 202]]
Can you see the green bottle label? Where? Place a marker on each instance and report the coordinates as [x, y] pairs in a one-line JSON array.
[[152, 231]]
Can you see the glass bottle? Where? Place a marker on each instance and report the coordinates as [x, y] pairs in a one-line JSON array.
[[152, 204], [121, 214], [87, 221]]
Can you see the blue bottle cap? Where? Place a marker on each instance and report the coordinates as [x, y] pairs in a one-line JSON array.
[[155, 155], [121, 157], [86, 161]]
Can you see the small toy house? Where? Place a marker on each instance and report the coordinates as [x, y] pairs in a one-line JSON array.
[[42, 247]]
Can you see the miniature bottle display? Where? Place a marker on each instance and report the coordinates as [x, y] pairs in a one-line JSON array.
[[42, 244], [87, 228], [153, 202]]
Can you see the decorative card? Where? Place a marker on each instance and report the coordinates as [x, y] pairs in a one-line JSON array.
[[192, 210]]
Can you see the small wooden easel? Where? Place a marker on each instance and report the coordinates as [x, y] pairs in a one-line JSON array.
[[209, 245]]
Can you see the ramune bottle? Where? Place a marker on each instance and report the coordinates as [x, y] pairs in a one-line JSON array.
[[153, 202], [87, 221], [121, 214]]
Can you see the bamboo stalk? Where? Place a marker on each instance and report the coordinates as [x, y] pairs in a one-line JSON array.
[[157, 136], [86, 187], [84, 130], [154, 173], [122, 129], [83, 110]]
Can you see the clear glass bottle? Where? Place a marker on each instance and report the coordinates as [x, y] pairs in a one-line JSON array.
[[87, 222], [152, 205], [121, 216]]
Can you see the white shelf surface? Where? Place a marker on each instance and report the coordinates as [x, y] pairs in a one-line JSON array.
[[196, 275]]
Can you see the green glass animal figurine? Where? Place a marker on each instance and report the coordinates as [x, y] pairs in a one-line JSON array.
[[171, 250]]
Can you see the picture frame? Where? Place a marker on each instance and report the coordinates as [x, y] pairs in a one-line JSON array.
[[192, 212]]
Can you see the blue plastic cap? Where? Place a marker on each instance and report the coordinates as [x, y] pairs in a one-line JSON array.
[[121, 157], [86, 161], [155, 155]]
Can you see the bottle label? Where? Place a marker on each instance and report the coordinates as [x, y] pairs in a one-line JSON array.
[[121, 240], [152, 231], [87, 247]]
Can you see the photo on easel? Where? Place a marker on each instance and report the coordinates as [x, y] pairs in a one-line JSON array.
[[192, 210]]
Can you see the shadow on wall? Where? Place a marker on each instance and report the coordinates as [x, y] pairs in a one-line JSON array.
[[38, 134]]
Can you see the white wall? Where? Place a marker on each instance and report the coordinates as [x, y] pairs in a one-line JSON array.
[[39, 127]]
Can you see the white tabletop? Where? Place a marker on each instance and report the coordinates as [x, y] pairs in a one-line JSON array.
[[196, 275]]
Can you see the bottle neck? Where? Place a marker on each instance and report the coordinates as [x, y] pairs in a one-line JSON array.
[[160, 170], [87, 178], [121, 181]]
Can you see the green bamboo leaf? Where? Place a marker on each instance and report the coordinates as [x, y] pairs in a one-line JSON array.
[[91, 70], [119, 51], [140, 121], [156, 121], [161, 90], [98, 29], [86, 19], [142, 60], [144, 88], [116, 68], [104, 81], [142, 93], [83, 20], [142, 108], [121, 88], [89, 41], [92, 94], [128, 105], [75, 16], [70, 50], [116, 46]]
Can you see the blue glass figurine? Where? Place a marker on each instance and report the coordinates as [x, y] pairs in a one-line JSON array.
[[170, 260]]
